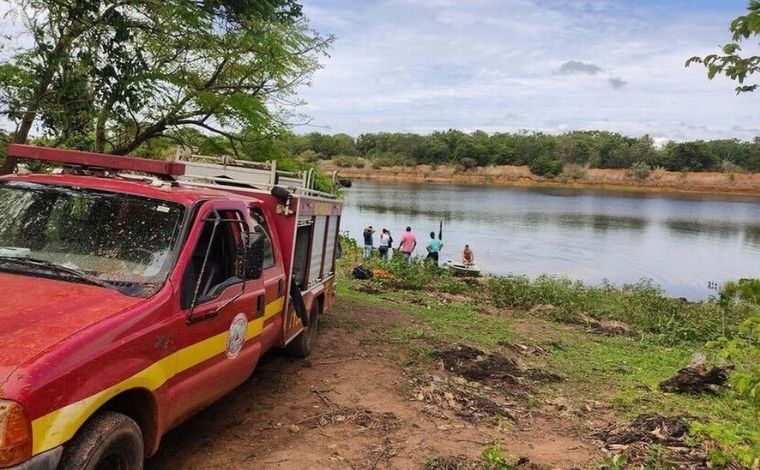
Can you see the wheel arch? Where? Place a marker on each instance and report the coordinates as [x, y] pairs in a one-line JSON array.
[[140, 405]]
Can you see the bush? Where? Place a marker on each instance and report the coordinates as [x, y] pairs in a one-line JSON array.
[[574, 172], [468, 163], [730, 167], [310, 156], [545, 166], [640, 171], [344, 161]]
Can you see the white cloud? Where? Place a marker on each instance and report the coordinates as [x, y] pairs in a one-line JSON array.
[[423, 65]]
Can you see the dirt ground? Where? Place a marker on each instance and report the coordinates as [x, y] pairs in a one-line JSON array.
[[353, 405]]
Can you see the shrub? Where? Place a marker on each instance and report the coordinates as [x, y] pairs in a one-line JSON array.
[[468, 163], [344, 161], [310, 156], [727, 166], [640, 171], [574, 172], [545, 166]]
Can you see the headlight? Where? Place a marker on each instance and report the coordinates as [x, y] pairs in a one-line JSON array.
[[15, 434]]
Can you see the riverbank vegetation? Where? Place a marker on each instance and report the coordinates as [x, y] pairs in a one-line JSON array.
[[546, 154], [610, 345]]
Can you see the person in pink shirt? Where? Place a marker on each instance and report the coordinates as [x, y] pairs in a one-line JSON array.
[[408, 242]]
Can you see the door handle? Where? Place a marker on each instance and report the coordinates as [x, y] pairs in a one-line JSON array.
[[260, 305]]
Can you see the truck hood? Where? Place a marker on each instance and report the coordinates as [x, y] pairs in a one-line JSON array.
[[38, 313]]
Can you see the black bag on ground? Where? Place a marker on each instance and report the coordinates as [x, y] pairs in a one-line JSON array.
[[360, 272]]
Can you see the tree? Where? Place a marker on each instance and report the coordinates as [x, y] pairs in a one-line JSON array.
[[111, 75], [689, 156], [730, 62]]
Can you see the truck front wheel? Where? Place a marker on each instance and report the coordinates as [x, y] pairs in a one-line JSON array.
[[304, 343], [108, 441]]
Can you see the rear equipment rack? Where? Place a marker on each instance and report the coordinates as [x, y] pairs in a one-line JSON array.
[[186, 169]]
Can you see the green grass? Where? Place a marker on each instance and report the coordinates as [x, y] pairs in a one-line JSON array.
[[623, 372], [442, 322]]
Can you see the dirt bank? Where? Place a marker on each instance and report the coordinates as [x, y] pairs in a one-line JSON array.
[[362, 402], [658, 180]]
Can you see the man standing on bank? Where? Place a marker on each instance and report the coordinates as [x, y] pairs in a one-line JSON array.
[[407, 245], [434, 248], [368, 241]]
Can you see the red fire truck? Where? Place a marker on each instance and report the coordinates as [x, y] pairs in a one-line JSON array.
[[136, 292]]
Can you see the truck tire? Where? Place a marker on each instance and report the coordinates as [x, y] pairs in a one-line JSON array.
[[304, 343], [108, 441]]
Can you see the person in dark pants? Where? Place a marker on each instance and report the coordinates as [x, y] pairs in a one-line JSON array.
[[434, 248], [385, 243]]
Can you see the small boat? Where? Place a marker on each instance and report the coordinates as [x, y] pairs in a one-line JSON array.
[[461, 269]]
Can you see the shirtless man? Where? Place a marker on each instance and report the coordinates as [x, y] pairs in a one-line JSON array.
[[468, 257]]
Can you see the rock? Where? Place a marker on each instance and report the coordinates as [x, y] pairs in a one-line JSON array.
[[293, 428], [697, 379]]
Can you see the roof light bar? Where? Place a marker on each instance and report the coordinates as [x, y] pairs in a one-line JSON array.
[[97, 160]]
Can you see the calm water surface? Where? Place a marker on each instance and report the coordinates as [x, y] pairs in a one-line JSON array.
[[681, 242]]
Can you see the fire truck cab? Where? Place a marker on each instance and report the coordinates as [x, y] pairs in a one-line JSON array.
[[136, 292]]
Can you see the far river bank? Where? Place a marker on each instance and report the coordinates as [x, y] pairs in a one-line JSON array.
[[506, 175]]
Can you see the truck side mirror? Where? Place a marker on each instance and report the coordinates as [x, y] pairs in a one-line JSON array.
[[253, 254]]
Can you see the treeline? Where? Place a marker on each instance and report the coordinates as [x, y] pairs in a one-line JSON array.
[[544, 153]]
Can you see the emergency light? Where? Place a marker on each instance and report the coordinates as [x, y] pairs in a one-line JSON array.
[[97, 160]]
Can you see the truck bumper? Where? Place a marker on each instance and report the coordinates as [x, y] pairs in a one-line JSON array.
[[47, 460]]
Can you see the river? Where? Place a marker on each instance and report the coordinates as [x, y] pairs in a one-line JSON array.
[[680, 242]]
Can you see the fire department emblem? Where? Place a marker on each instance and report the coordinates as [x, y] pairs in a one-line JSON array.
[[236, 335]]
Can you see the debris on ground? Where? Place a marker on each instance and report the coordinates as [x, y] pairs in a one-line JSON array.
[[493, 369], [360, 417], [612, 328], [653, 436], [523, 349], [649, 428], [378, 273], [697, 378], [368, 289], [605, 327], [460, 462], [467, 400], [452, 463]]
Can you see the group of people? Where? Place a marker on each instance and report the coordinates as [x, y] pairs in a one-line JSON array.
[[407, 244]]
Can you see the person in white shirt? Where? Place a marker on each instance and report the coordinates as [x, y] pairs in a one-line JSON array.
[[385, 244]]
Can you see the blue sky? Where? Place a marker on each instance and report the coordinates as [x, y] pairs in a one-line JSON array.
[[503, 65]]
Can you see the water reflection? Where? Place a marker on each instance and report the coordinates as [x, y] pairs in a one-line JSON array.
[[679, 241], [696, 228]]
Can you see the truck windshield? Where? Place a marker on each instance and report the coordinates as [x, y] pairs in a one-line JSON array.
[[110, 239]]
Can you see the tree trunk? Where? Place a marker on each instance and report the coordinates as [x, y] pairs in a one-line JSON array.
[[27, 120], [153, 131]]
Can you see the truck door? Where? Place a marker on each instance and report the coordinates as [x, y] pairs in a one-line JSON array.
[[273, 276], [218, 329]]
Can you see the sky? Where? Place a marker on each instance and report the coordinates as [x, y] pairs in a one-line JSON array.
[[540, 65]]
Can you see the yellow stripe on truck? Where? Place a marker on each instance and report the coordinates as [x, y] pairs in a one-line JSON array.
[[59, 426]]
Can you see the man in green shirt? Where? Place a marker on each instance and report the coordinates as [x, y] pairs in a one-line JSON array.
[[434, 247]]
